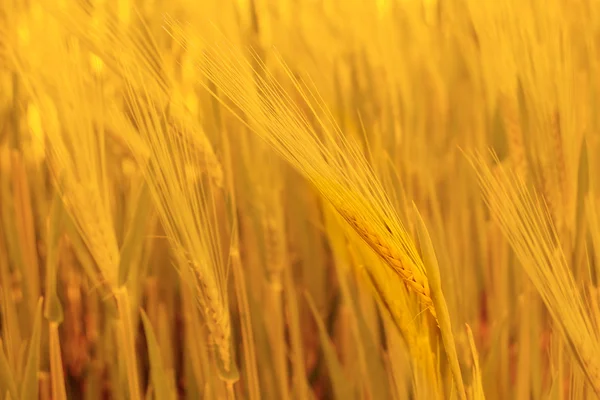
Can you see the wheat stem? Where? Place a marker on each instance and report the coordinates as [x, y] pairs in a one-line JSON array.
[[127, 339]]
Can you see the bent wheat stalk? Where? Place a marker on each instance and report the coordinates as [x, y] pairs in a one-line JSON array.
[[326, 157]]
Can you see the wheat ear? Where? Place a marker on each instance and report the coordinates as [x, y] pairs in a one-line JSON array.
[[217, 318], [393, 259]]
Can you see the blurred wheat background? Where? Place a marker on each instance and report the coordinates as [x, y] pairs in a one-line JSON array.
[[299, 199]]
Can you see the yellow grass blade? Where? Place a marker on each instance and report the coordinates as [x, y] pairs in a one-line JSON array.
[[342, 389], [159, 378], [433, 273], [29, 382], [7, 379]]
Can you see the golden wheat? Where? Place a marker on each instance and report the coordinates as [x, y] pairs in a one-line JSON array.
[[269, 200]]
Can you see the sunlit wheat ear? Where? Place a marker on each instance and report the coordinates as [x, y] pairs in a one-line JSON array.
[[186, 208], [322, 153], [527, 225], [393, 258]]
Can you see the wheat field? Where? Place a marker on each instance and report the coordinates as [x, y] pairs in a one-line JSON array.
[[299, 199]]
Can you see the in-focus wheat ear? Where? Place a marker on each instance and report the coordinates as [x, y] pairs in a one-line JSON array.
[[320, 152], [393, 258]]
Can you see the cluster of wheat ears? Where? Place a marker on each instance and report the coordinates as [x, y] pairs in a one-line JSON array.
[[299, 199]]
